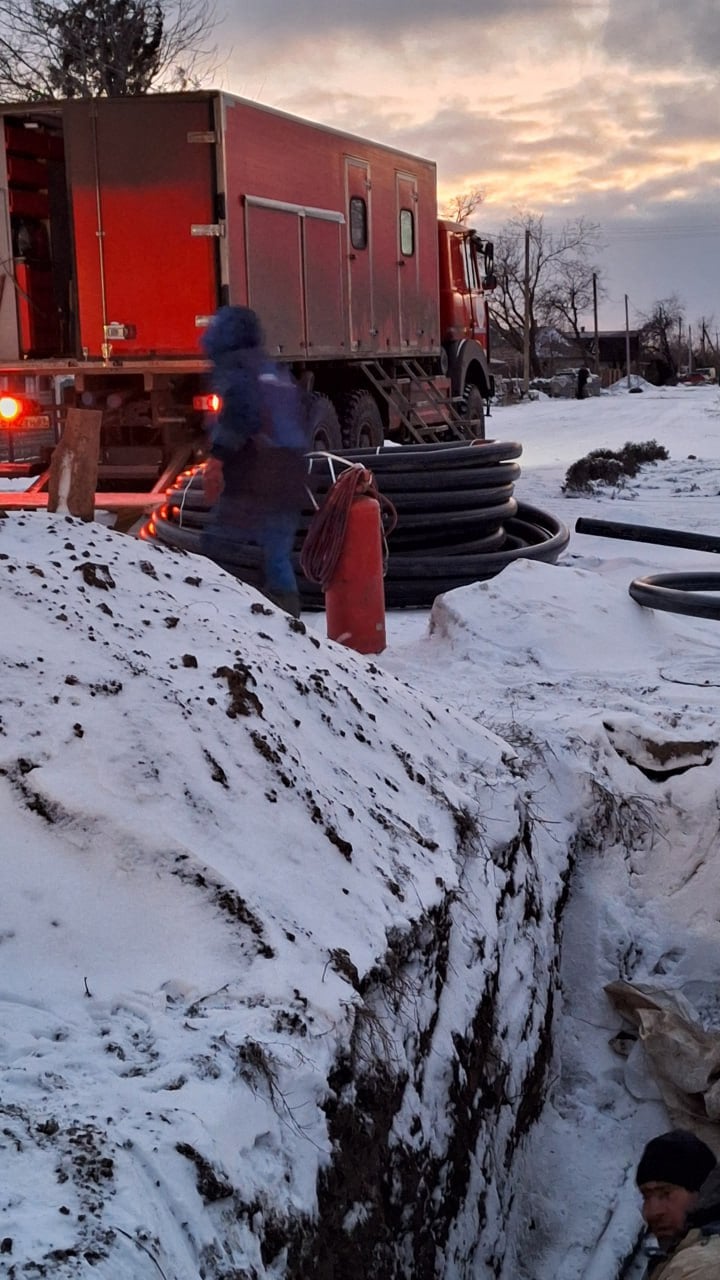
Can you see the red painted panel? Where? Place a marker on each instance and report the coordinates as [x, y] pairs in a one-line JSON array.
[[275, 276], [138, 185], [28, 204], [360, 280], [327, 328], [23, 170], [277, 157], [408, 263], [26, 142], [137, 179], [37, 312]]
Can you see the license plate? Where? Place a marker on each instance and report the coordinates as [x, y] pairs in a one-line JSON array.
[[36, 422]]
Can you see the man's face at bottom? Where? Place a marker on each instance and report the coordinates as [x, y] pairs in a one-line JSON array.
[[665, 1208]]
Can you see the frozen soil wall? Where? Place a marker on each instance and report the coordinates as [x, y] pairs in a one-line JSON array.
[[282, 939], [281, 1003]]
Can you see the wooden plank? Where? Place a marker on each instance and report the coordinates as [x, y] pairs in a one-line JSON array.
[[26, 501], [40, 483], [74, 465], [177, 463], [19, 470]]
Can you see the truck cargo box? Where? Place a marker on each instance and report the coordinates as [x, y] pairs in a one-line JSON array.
[[129, 220]]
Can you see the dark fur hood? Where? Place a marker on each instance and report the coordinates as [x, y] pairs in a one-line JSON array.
[[232, 329]]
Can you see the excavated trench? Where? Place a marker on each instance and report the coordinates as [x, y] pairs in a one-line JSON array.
[[424, 1120], [428, 1128], [446, 1074]]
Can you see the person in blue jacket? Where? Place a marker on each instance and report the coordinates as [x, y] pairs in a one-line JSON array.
[[255, 474]]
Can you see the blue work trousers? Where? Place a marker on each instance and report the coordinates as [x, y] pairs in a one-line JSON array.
[[230, 531]]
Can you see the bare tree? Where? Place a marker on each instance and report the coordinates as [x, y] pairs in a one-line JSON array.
[[102, 48], [461, 207], [560, 279], [660, 335]]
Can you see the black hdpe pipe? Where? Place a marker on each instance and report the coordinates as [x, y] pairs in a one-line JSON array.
[[648, 533], [671, 592], [679, 593]]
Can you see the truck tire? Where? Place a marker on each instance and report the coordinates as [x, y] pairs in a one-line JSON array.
[[323, 425], [473, 411], [361, 421]]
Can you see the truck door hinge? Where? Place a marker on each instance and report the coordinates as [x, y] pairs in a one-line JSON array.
[[114, 331], [208, 229]]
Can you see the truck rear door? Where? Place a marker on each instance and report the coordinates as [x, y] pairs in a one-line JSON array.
[[358, 195], [408, 262], [294, 275], [141, 173]]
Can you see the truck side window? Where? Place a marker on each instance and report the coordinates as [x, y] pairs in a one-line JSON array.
[[407, 233], [472, 278], [358, 223]]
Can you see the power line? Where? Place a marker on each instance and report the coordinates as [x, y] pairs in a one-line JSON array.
[[658, 233], [647, 233]]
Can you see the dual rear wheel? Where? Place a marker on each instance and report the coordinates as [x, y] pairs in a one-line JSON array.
[[360, 424]]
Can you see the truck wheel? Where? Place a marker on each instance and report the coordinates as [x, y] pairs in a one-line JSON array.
[[361, 420], [324, 428], [473, 410]]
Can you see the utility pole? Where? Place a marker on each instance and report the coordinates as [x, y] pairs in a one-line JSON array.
[[526, 327], [627, 342], [595, 322], [690, 355]]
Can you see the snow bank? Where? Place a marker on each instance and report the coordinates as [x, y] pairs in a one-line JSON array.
[[275, 952]]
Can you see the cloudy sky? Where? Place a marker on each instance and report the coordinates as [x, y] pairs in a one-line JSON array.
[[609, 109]]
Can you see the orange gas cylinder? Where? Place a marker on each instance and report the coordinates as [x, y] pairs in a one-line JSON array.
[[355, 597]]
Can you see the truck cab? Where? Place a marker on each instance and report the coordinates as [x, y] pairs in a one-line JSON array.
[[465, 279]]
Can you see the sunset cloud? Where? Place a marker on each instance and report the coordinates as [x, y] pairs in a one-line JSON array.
[[606, 109]]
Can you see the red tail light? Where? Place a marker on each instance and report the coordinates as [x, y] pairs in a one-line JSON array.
[[18, 410], [207, 404], [11, 408]]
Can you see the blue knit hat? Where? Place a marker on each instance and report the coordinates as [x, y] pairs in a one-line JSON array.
[[232, 329]]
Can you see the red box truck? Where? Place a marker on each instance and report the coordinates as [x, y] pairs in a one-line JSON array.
[[128, 221]]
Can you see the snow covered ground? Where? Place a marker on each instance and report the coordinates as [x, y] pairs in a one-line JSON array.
[[221, 835]]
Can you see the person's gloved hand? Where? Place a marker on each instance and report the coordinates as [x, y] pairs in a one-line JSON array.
[[213, 482]]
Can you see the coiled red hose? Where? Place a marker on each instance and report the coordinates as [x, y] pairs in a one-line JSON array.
[[325, 537]]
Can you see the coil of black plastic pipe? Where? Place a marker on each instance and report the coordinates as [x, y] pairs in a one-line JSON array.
[[458, 520], [679, 593], [669, 592]]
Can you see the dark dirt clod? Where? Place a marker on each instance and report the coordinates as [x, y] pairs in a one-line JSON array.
[[210, 1185], [96, 575], [243, 701]]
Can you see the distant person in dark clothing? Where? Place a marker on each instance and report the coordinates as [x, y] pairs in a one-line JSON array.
[[583, 378], [255, 474], [679, 1183]]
